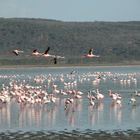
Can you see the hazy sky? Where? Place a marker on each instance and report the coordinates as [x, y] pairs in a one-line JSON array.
[[72, 10]]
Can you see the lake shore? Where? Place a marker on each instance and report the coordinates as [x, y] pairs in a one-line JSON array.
[[71, 65]]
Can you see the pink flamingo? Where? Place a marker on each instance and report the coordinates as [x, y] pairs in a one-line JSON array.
[[68, 101], [91, 99], [90, 54], [46, 53], [36, 53], [99, 96], [16, 52], [114, 96]]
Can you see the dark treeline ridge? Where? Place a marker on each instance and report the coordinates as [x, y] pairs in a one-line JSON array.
[[115, 42]]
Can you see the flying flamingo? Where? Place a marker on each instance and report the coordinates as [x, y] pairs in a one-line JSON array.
[[36, 53], [90, 54], [46, 53], [16, 52]]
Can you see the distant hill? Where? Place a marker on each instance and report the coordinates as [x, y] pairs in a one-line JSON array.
[[113, 41]]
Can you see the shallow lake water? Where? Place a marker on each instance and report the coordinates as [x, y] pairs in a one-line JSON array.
[[80, 118]]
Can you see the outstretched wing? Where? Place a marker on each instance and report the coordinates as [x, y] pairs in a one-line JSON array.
[[46, 52], [34, 51], [15, 52]]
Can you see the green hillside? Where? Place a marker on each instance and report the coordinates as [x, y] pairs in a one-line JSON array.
[[114, 41]]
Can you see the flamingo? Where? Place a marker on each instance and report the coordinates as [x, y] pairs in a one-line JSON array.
[[16, 52], [114, 96], [90, 54], [46, 100], [132, 100], [118, 101], [63, 92], [73, 72], [68, 101], [137, 93], [46, 53], [36, 53], [99, 96], [52, 98], [91, 98]]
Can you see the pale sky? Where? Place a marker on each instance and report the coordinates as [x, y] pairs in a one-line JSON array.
[[72, 10]]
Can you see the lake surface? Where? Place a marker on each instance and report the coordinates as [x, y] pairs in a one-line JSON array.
[[104, 116]]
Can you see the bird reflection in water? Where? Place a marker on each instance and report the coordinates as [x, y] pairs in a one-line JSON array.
[[133, 112], [37, 115], [5, 114], [91, 115], [116, 112], [29, 115], [70, 115], [72, 110], [95, 113]]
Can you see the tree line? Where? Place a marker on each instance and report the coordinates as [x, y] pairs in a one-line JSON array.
[[113, 41]]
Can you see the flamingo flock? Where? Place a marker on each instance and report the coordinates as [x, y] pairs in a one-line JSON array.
[[49, 89], [46, 54], [39, 54]]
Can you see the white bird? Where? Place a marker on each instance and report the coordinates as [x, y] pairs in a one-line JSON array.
[[36, 53], [137, 93], [46, 53], [90, 54], [91, 99], [118, 101], [99, 96], [16, 52], [132, 100]]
